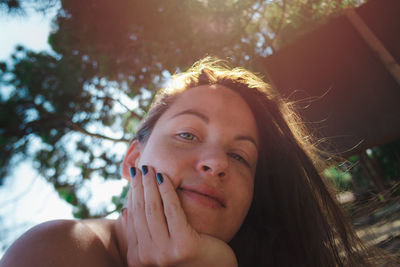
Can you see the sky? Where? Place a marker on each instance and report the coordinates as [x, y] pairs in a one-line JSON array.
[[31, 31], [26, 199]]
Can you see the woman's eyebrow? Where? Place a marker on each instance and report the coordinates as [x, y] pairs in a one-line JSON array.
[[247, 138], [193, 112]]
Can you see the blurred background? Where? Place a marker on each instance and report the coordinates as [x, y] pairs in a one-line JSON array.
[[77, 76]]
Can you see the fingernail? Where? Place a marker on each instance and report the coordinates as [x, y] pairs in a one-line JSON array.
[[159, 178], [132, 171], [144, 169]]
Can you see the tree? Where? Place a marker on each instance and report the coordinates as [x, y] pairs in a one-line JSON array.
[[14, 7], [72, 108]]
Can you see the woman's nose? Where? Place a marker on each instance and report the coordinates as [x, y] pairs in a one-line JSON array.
[[213, 163]]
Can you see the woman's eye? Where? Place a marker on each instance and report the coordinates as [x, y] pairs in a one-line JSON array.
[[187, 136], [238, 158]]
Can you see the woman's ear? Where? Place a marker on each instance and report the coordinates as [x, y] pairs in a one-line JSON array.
[[131, 156]]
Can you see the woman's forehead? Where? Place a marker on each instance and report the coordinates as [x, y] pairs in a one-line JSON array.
[[210, 96], [215, 103]]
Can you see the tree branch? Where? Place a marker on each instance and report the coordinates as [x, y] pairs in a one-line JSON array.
[[133, 113], [253, 14], [78, 128], [102, 215]]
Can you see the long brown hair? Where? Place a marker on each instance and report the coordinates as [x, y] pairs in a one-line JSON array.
[[294, 219]]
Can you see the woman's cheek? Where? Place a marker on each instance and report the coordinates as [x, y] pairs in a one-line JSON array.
[[169, 158], [244, 187]]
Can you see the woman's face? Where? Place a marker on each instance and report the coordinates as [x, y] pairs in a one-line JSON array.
[[207, 142]]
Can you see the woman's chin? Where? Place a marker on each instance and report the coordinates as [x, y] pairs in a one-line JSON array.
[[205, 219]]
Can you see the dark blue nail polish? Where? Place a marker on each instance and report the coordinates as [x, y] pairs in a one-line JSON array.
[[132, 171], [144, 169], [159, 178]]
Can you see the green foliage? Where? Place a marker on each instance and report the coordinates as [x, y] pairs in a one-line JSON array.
[[386, 159], [339, 177], [291, 19], [71, 110], [388, 156], [358, 175]]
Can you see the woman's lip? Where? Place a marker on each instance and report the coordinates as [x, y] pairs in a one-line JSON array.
[[204, 191], [201, 199]]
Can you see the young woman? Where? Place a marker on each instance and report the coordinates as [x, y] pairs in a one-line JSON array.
[[222, 174]]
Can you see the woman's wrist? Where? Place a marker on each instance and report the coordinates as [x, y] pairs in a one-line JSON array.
[[212, 252]]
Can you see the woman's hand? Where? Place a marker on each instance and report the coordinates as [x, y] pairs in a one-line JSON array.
[[157, 230]]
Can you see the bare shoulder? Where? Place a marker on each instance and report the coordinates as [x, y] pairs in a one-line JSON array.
[[65, 243]]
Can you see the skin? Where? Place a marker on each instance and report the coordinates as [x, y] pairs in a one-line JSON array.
[[66, 243], [205, 148]]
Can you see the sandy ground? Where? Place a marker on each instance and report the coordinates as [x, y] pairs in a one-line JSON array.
[[376, 222], [384, 234]]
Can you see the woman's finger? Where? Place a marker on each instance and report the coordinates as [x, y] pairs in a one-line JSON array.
[[154, 208], [128, 226], [174, 214], [138, 215]]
